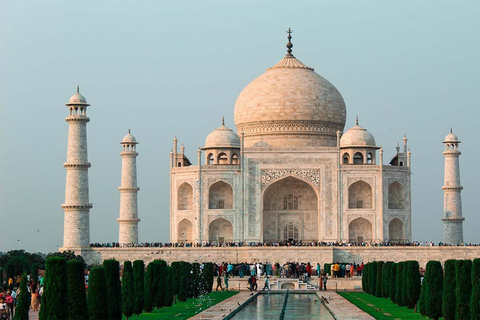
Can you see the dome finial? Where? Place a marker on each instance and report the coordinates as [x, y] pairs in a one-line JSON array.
[[78, 89], [451, 130], [128, 130], [223, 121], [356, 121], [289, 44]]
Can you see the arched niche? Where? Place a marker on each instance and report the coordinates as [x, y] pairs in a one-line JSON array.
[[346, 158], [185, 197], [396, 196], [396, 231], [360, 230], [358, 158], [185, 231], [220, 230], [360, 195], [290, 201], [220, 196], [222, 158]]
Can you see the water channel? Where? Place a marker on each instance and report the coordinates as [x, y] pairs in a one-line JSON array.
[[270, 306]]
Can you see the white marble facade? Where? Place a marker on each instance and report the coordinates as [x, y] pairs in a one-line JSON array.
[[290, 173]]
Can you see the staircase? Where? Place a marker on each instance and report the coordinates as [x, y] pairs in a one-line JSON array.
[[291, 284]]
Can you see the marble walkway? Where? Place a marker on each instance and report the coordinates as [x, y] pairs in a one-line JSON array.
[[342, 308], [224, 308]]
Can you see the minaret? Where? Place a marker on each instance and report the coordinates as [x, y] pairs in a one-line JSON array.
[[76, 232], [128, 232], [452, 203]]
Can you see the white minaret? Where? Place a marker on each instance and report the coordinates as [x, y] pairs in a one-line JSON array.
[[76, 232], [452, 219], [128, 232]]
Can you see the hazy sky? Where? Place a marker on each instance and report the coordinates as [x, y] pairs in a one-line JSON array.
[[165, 68]]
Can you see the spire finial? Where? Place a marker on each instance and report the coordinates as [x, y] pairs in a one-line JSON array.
[[78, 89], [451, 130], [128, 130], [356, 121], [223, 121], [289, 44]]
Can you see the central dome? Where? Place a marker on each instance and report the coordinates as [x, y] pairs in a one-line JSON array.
[[290, 106]]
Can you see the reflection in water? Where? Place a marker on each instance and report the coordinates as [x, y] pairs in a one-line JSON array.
[[299, 306]]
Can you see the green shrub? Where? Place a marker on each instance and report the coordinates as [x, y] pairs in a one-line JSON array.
[[421, 299], [34, 273], [149, 289], [97, 300], [434, 289], [159, 282], [77, 299], [393, 279], [55, 292], [412, 288], [128, 290], [463, 289], [364, 278], [23, 302], [386, 279], [372, 277], [114, 290], [399, 284], [139, 286], [207, 275], [168, 288], [378, 280], [327, 268], [475, 297], [197, 281], [448, 296]]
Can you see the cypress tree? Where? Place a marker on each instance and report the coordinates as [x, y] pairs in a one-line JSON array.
[[34, 273], [176, 274], [393, 279], [77, 299], [386, 279], [128, 291], [207, 275], [399, 284], [197, 280], [97, 300], [159, 281], [372, 278], [149, 295], [327, 268], [184, 281], [475, 298], [463, 289], [412, 288], [448, 297], [23, 302], [378, 280], [139, 286], [55, 292], [364, 278], [168, 288], [421, 299], [434, 289], [114, 291]]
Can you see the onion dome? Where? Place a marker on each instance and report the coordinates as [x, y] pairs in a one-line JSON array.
[[77, 99], [222, 137], [357, 137], [129, 137], [288, 101], [451, 137]]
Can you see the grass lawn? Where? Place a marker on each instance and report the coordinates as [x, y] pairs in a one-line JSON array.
[[187, 309], [380, 308]]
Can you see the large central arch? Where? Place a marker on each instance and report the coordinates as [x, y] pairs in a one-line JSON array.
[[290, 204]]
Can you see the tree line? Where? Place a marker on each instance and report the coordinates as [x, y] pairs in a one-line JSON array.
[[451, 292], [110, 295]]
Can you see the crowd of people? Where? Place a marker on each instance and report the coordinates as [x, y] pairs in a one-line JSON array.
[[269, 244], [10, 292]]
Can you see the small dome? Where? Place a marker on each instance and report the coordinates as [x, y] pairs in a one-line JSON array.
[[77, 98], [357, 137], [222, 137], [451, 138], [129, 138]]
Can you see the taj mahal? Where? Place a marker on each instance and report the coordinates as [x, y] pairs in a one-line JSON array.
[[288, 172]]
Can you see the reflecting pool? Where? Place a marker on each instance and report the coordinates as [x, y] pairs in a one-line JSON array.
[[304, 306]]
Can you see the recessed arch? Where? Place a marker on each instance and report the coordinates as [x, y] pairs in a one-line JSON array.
[[234, 159], [358, 158], [220, 230], [220, 196], [360, 195], [185, 197], [346, 158], [360, 230], [184, 231], [210, 158], [370, 157], [396, 230], [222, 158], [396, 196]]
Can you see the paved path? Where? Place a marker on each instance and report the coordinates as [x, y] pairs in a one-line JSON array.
[[342, 308], [224, 308], [33, 315]]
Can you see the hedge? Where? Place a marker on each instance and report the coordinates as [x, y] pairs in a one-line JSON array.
[[449, 284], [113, 288], [55, 292], [139, 286], [463, 289], [97, 300], [434, 289], [77, 299]]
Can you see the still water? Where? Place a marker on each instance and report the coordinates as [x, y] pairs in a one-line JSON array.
[[302, 306]]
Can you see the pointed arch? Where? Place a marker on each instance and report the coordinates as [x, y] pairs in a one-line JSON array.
[[220, 230], [210, 158], [235, 159], [185, 197], [222, 158], [360, 195], [396, 230], [358, 158], [185, 231], [346, 158], [396, 196], [360, 230], [220, 196]]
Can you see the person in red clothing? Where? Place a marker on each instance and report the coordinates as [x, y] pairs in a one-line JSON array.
[[309, 270]]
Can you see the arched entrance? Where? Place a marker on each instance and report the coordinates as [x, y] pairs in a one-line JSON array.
[[395, 231], [360, 195], [360, 230], [220, 230], [290, 211], [185, 233]]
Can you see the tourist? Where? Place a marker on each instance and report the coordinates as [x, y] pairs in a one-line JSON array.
[[10, 303], [230, 269], [347, 270], [241, 270], [3, 309], [318, 269], [324, 281], [254, 282], [266, 285], [35, 301], [250, 283], [226, 282], [219, 282], [309, 269]]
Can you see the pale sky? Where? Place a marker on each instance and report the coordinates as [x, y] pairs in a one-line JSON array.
[[165, 68]]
